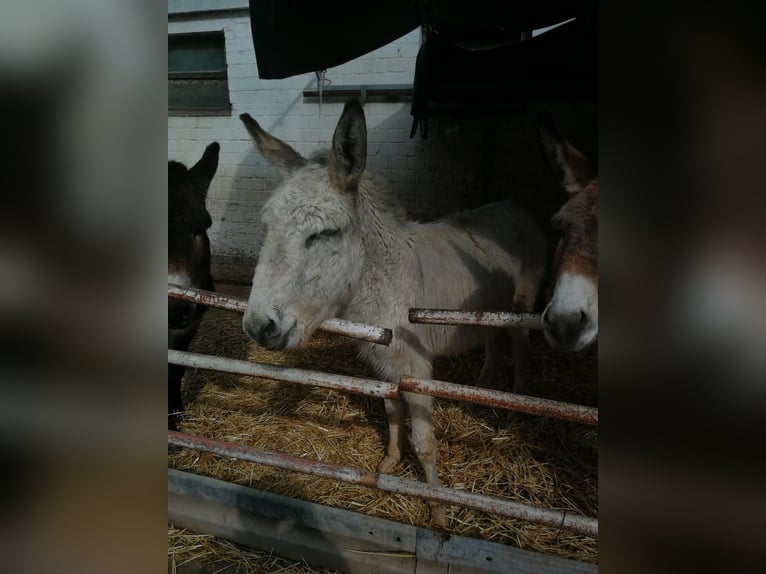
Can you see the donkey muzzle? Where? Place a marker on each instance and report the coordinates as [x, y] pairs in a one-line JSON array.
[[569, 330], [270, 332], [180, 314]]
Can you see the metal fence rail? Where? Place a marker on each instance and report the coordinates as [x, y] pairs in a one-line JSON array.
[[481, 318], [389, 483], [228, 303], [356, 385], [375, 388], [502, 400], [488, 397]]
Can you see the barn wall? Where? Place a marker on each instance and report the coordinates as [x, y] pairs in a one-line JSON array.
[[464, 162]]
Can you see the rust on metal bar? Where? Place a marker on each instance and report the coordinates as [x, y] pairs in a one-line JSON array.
[[389, 483], [482, 318], [207, 298], [359, 331], [356, 385], [500, 399]]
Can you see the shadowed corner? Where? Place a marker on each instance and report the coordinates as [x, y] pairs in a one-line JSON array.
[[682, 338]]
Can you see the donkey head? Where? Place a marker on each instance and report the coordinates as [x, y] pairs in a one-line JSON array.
[[570, 321], [312, 255], [188, 220]]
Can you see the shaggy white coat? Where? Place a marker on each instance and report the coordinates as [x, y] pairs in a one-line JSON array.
[[352, 253]]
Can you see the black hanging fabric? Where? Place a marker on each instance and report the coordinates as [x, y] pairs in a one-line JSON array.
[[294, 37], [561, 64], [477, 57]]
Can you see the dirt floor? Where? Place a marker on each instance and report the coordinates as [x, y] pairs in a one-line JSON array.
[[530, 459]]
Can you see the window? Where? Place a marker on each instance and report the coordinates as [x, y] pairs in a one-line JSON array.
[[197, 79]]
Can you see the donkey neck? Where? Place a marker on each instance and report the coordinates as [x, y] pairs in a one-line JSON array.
[[383, 223], [387, 244]]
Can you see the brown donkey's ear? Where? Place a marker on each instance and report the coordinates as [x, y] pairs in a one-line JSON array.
[[203, 171], [348, 155], [573, 168], [277, 152]]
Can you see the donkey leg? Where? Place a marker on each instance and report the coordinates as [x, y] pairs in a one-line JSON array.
[[523, 302], [395, 415], [520, 359], [424, 443], [493, 353]]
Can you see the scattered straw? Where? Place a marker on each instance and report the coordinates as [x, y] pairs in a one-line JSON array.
[[224, 557], [536, 460]]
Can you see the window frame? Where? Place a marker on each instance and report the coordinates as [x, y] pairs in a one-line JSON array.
[[223, 110]]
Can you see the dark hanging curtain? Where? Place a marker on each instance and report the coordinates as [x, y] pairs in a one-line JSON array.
[[478, 56], [294, 37]]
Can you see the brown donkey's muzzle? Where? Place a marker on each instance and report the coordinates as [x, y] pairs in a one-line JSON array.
[[180, 314]]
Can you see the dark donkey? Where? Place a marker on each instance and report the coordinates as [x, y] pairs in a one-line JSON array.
[[188, 258], [570, 321]]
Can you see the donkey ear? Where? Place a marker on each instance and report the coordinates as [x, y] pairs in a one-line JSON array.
[[277, 152], [348, 155], [203, 171], [572, 167]]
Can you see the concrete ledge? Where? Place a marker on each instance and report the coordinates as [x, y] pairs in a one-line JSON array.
[[339, 539]]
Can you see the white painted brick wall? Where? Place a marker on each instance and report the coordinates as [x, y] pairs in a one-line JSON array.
[[464, 161]]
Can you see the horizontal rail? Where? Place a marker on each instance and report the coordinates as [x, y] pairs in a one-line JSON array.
[[228, 303], [375, 388], [500, 399], [356, 385], [482, 318], [379, 92], [389, 483]]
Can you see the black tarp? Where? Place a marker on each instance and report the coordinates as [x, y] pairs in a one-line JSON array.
[[293, 37], [477, 55], [298, 36]]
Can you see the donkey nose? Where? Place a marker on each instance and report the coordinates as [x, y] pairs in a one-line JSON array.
[[260, 329], [269, 329], [179, 313], [564, 327]]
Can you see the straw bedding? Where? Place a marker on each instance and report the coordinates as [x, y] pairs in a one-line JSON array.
[[530, 459]]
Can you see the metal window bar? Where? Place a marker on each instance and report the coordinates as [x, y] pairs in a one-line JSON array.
[[389, 483], [200, 75], [338, 326]]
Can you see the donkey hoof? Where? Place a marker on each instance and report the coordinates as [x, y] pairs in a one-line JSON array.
[[439, 515], [387, 465]]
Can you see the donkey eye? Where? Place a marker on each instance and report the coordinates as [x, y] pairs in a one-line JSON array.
[[314, 237]]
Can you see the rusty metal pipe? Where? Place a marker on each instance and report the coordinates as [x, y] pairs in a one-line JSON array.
[[355, 385], [482, 318], [359, 331], [500, 399], [389, 483]]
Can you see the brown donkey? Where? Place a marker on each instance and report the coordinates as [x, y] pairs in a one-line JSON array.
[[188, 258], [570, 321]]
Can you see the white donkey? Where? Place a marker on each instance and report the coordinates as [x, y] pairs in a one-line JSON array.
[[338, 244]]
